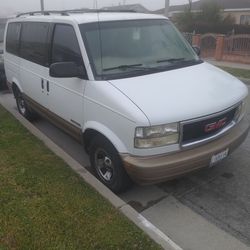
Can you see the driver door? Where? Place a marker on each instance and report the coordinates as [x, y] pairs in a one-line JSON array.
[[66, 94]]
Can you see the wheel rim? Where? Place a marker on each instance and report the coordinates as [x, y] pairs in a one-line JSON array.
[[21, 105], [104, 165]]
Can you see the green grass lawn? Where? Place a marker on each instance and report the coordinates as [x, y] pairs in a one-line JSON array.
[[243, 73], [45, 205]]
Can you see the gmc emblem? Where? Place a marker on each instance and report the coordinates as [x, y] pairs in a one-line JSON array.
[[216, 125]]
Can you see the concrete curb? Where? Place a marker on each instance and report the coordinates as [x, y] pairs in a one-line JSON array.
[[141, 222]]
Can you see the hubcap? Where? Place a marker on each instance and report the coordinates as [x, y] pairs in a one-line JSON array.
[[21, 105], [104, 165]]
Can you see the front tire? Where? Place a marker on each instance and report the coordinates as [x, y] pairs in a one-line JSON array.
[[108, 166]]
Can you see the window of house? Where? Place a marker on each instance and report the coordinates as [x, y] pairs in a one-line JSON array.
[[245, 19]]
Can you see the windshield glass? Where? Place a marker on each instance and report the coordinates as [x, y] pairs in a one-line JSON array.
[[125, 48], [2, 28]]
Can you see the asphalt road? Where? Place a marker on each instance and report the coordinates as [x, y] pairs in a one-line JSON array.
[[206, 210]]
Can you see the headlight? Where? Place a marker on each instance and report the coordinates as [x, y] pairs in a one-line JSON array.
[[241, 111], [157, 136]]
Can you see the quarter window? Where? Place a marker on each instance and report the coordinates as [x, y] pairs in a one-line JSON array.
[[34, 45], [12, 40], [65, 46]]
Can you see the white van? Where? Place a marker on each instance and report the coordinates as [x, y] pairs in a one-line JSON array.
[[128, 86]]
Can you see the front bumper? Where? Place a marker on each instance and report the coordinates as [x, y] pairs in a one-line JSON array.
[[155, 169]]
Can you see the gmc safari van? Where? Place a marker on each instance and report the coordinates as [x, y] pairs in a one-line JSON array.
[[128, 86]]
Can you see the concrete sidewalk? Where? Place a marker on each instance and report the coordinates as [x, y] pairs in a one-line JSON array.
[[228, 64]]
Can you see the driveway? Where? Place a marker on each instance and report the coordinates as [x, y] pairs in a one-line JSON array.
[[206, 210]]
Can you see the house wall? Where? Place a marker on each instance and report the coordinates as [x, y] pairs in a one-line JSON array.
[[236, 14]]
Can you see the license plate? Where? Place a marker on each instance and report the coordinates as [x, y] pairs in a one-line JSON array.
[[219, 157]]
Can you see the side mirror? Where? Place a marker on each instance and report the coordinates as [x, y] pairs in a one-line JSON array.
[[66, 70], [197, 50]]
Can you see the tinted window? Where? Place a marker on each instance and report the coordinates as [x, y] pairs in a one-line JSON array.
[[2, 28], [65, 46], [12, 40], [34, 46]]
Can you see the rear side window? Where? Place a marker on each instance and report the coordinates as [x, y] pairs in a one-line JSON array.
[[65, 46], [12, 39], [2, 28], [34, 42]]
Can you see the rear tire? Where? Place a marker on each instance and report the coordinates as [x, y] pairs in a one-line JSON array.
[[23, 107], [3, 85], [108, 166]]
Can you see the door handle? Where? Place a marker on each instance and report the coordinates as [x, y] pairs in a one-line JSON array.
[[47, 86], [42, 84]]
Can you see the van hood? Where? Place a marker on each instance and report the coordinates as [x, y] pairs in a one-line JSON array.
[[182, 94]]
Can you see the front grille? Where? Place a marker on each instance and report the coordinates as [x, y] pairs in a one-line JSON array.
[[207, 127]]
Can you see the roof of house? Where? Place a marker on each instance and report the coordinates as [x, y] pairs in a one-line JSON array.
[[135, 7], [225, 4]]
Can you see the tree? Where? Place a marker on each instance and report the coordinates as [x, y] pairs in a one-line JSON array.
[[229, 20], [210, 13], [209, 19], [185, 20]]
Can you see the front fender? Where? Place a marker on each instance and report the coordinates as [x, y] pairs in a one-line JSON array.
[[109, 134]]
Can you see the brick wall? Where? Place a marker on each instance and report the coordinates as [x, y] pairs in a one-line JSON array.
[[233, 49]]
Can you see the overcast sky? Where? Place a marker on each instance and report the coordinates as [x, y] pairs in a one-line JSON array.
[[11, 7]]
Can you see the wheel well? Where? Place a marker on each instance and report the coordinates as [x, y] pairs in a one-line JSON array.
[[89, 135], [15, 89]]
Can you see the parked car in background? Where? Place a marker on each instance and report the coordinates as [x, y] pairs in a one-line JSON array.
[[3, 84], [130, 87]]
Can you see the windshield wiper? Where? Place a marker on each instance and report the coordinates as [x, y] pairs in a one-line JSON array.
[[125, 67], [171, 60]]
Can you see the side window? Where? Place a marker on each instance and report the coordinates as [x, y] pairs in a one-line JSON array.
[[34, 45], [65, 47], [12, 39]]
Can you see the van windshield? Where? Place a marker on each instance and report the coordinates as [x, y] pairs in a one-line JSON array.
[[121, 49]]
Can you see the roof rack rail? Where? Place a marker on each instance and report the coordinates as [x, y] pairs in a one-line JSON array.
[[67, 12], [45, 13], [99, 11]]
